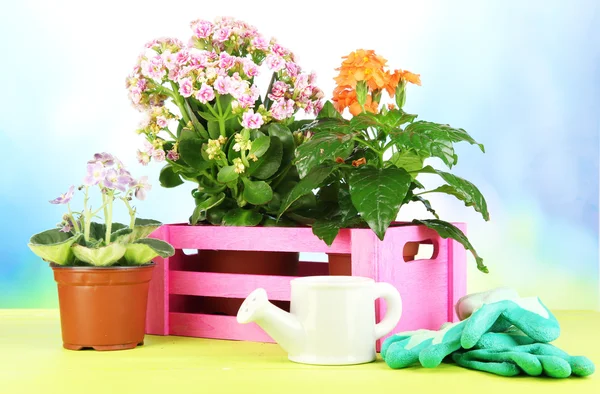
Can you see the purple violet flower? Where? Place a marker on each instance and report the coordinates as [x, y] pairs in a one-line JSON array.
[[64, 198], [95, 173]]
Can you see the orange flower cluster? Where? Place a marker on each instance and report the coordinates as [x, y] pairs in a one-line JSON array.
[[366, 65]]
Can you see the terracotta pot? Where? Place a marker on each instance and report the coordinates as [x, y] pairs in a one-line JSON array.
[[341, 264], [103, 308], [244, 262]]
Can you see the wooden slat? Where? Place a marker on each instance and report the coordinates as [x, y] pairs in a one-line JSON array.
[[270, 239], [213, 284], [215, 327]]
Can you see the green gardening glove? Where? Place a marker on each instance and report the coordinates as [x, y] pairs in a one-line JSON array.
[[512, 353], [431, 347]]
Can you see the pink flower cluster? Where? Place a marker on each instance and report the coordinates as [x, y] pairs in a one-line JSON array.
[[222, 58]]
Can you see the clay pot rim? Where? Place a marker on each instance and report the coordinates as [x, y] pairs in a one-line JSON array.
[[95, 268]]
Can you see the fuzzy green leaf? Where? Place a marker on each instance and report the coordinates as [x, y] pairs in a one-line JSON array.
[[100, 257], [54, 246], [448, 230], [145, 250], [378, 194]]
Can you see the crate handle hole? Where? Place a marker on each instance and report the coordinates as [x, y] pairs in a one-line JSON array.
[[189, 252], [420, 250]]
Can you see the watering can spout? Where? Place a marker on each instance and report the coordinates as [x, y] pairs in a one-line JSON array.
[[282, 326]]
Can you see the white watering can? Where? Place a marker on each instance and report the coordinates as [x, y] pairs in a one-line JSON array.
[[331, 319]]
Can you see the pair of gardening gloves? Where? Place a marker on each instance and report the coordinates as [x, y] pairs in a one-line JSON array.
[[499, 332]]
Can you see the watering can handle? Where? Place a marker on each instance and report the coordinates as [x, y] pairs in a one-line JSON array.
[[393, 308]]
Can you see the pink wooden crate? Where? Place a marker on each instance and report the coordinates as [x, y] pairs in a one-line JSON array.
[[429, 288]]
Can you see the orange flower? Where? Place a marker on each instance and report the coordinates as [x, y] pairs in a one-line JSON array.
[[362, 65], [359, 162], [345, 97], [392, 82], [339, 160], [370, 106], [412, 78]]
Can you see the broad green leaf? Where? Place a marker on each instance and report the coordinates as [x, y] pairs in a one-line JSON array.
[[54, 246], [214, 130], [117, 226], [298, 124], [120, 235], [408, 160], [307, 201], [311, 181], [260, 146], [168, 178], [100, 257], [142, 228], [145, 250], [326, 229], [328, 111], [427, 205], [321, 147], [190, 150], [197, 125], [287, 141], [227, 174], [364, 121], [257, 192], [208, 203], [432, 139], [377, 194], [397, 117], [461, 189], [207, 116], [97, 231], [269, 163], [448, 230], [242, 217]]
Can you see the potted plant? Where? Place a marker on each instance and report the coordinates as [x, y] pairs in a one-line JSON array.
[[208, 123], [365, 168], [102, 268]]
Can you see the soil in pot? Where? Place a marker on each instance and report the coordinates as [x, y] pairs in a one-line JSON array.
[[341, 263], [103, 308]]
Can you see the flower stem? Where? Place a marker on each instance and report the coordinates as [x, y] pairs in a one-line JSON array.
[[108, 211], [131, 212], [87, 219], [267, 100], [75, 224], [179, 102], [221, 118]]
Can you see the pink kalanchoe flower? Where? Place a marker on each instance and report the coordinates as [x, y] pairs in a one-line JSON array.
[[260, 43], [198, 57], [161, 121], [141, 187], [65, 197], [158, 155], [225, 61], [135, 94], [292, 69], [143, 157], [222, 34], [142, 84], [174, 74], [282, 109], [183, 56], [301, 82], [169, 60], [205, 94], [278, 49], [95, 173], [222, 84], [278, 90], [185, 87], [202, 29], [275, 62], [250, 68], [250, 120], [246, 101], [173, 155]]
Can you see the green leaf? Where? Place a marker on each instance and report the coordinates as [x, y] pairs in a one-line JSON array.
[[260, 146], [408, 160], [227, 174], [142, 228], [257, 192], [461, 189], [190, 150], [269, 163], [213, 129], [242, 217], [377, 194], [433, 140], [448, 230], [311, 181], [100, 257], [427, 205], [197, 125], [321, 147], [201, 208], [120, 235], [328, 111], [364, 121], [326, 229], [168, 178], [287, 141], [145, 250], [397, 117], [54, 246], [207, 116]]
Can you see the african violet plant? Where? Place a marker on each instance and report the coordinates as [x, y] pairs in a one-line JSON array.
[[366, 168], [79, 241], [235, 146]]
